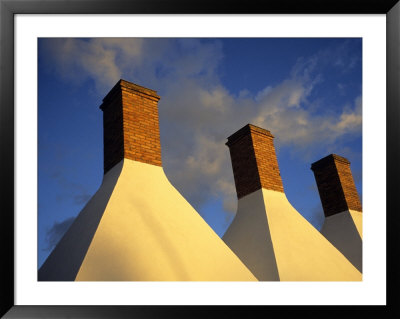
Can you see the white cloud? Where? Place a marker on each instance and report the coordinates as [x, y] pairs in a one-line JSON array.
[[300, 127], [95, 59]]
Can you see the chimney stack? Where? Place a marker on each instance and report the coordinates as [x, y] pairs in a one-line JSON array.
[[336, 186], [254, 161], [130, 125]]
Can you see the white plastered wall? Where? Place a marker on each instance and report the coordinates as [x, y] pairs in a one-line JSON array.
[[150, 232], [249, 237], [344, 231], [267, 226]]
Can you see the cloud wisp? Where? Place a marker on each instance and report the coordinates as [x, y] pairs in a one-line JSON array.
[[55, 233]]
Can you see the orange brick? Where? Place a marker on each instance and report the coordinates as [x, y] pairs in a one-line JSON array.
[[254, 160], [131, 128], [335, 184]]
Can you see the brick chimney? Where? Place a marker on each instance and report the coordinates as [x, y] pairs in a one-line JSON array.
[[336, 186], [254, 160], [130, 125]]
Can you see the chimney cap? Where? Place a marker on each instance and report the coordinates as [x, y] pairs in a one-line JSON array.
[[246, 130], [123, 84], [327, 160]]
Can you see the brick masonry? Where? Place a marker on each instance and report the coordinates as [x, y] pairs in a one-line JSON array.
[[254, 161], [130, 125], [335, 184]]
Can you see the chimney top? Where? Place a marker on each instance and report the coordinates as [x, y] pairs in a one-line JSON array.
[[254, 161], [130, 125], [335, 184], [246, 130], [129, 86], [327, 160]]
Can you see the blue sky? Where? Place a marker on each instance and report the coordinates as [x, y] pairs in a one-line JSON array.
[[306, 91]]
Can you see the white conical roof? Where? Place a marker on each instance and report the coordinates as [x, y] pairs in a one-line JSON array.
[[276, 243], [344, 231], [146, 231]]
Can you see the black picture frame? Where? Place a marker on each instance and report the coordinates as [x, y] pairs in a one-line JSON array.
[[8, 9]]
